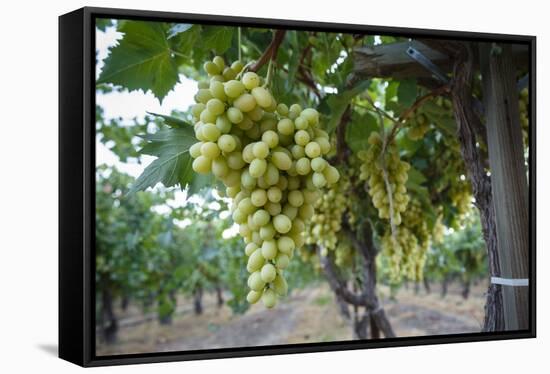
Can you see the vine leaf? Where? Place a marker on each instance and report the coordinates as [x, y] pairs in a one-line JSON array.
[[359, 129], [142, 60], [218, 38], [171, 120], [173, 165], [406, 92], [338, 103]]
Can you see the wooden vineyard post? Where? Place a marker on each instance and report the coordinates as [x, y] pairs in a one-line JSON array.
[[509, 179]]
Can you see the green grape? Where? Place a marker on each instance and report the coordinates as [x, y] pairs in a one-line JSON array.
[[257, 167], [268, 273], [217, 90], [202, 164], [195, 150], [313, 150], [220, 63], [223, 124], [269, 249], [282, 223], [260, 150], [233, 88], [301, 137], [250, 248], [303, 166], [282, 260], [227, 143], [270, 138], [285, 126], [296, 198], [245, 103], [255, 281], [215, 106], [210, 132], [261, 218], [255, 261], [210, 150], [211, 68], [281, 160], [262, 96], [269, 298], [252, 297], [280, 285], [285, 244], [237, 66], [250, 80], [219, 167]]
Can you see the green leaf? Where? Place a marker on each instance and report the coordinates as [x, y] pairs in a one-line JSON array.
[[173, 165], [171, 121], [218, 38], [359, 129], [178, 28], [293, 62], [416, 177], [185, 44], [199, 182], [410, 146], [339, 102], [406, 93], [391, 91], [142, 60]]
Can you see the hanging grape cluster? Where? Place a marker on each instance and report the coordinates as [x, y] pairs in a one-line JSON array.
[[418, 125], [372, 171], [524, 115], [327, 221], [399, 248], [270, 159]]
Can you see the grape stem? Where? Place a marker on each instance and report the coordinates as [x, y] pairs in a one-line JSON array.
[[269, 73], [418, 103], [388, 191], [270, 52], [239, 43]]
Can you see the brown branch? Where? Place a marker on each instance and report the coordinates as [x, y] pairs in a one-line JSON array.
[[270, 52], [306, 79], [421, 100], [417, 104]]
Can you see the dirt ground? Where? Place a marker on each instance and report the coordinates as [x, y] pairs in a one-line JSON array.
[[307, 316]]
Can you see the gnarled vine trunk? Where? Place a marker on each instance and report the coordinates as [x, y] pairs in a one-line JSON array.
[[109, 323], [374, 315], [470, 132]]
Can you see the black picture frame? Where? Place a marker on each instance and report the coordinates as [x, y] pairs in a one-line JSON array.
[[77, 187]]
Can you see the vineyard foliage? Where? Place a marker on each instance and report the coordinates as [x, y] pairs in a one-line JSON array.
[[393, 143]]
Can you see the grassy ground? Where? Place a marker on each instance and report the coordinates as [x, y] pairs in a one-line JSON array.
[[308, 315]]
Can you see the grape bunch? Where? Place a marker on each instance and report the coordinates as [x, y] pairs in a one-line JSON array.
[[415, 259], [399, 249], [372, 171], [524, 115], [327, 220], [418, 125], [270, 159]]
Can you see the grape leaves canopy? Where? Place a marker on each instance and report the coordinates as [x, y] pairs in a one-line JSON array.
[[402, 180]]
